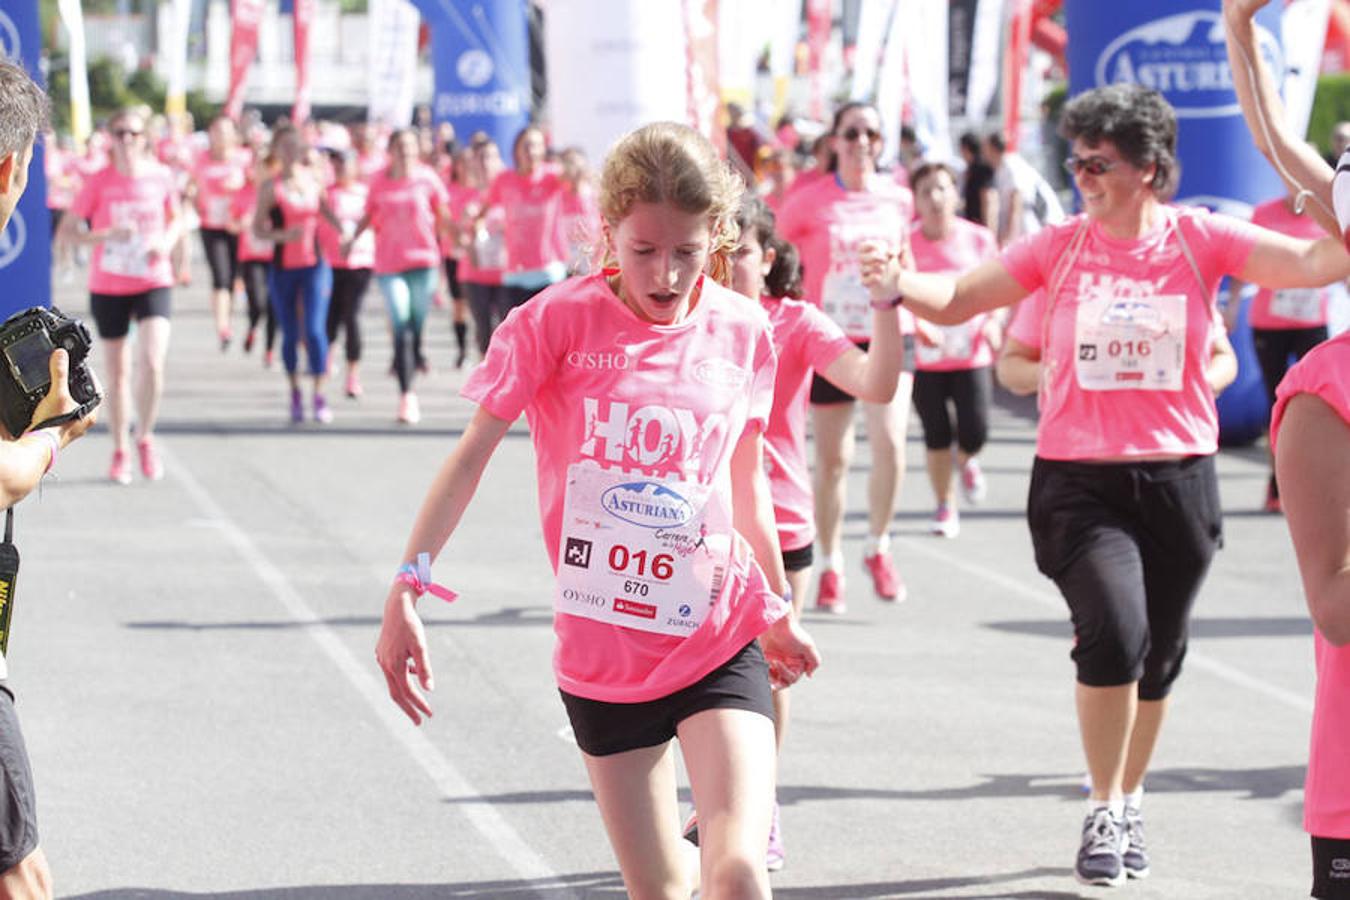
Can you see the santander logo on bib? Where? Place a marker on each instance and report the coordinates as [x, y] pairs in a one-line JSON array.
[[647, 504], [1183, 57]]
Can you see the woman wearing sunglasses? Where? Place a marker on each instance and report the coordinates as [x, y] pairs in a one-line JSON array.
[[828, 221], [1310, 440], [1123, 505], [134, 222]]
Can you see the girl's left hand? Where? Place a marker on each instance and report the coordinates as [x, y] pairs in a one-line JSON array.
[[790, 652]]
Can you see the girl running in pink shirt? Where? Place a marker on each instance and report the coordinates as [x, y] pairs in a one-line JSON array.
[[215, 177], [1310, 440], [134, 224], [1123, 504], [828, 221], [255, 261], [806, 341], [346, 200], [648, 387]]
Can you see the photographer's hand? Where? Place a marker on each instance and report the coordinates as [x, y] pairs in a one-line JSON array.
[[59, 401]]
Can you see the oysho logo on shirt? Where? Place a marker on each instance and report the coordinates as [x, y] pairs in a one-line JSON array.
[[720, 373], [1183, 57], [616, 360], [647, 504]]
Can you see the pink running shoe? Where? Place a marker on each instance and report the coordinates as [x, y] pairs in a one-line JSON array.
[[775, 858], [354, 389], [409, 412], [885, 578], [151, 467], [120, 470], [972, 482], [830, 593]]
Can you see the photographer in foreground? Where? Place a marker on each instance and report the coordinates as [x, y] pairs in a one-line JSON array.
[[23, 462]]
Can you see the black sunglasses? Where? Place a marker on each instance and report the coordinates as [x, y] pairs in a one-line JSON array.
[[1092, 165], [120, 133], [853, 133]]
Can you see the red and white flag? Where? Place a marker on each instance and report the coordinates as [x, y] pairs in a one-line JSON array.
[[244, 18], [302, 16]]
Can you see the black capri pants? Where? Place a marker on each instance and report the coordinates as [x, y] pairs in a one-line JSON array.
[[222, 255], [344, 311], [1128, 545], [968, 391], [1274, 346]]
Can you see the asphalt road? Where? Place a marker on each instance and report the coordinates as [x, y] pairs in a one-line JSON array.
[[194, 665]]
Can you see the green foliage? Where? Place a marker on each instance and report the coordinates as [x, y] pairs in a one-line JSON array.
[[110, 90], [1331, 104]]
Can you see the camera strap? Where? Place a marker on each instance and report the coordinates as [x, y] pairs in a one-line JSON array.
[[78, 412], [9, 573]]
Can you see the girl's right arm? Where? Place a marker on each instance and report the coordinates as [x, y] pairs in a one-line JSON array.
[[1019, 367], [262, 212], [402, 648]]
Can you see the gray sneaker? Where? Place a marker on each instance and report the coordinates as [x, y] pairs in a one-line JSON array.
[[1135, 856], [1099, 857]]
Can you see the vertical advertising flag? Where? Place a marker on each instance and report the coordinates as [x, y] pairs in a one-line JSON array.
[[482, 66], [81, 120], [702, 96], [393, 61], [25, 250], [244, 18], [1014, 69], [1303, 34], [175, 48], [819, 22], [302, 17]]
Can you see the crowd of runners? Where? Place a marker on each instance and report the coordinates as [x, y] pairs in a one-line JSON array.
[[672, 328]]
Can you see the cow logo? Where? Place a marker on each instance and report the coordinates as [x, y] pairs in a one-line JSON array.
[[578, 553], [647, 504], [10, 46], [13, 239], [1183, 57], [474, 68]]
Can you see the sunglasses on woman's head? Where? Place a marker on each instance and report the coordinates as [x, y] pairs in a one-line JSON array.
[[1092, 165], [853, 133]]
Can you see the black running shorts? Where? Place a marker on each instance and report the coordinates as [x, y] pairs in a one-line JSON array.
[[823, 393], [1331, 868], [603, 729], [18, 812], [113, 312], [801, 558]]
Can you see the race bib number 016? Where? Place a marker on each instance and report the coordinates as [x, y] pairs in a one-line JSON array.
[[1131, 343], [641, 553]]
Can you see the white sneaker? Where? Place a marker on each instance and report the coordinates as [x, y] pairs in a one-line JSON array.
[[973, 485], [946, 522]]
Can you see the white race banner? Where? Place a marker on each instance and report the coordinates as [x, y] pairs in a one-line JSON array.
[[1303, 32], [926, 51], [174, 19], [393, 61], [874, 17]]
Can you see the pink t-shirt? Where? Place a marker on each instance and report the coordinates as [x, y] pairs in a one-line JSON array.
[[251, 249], [1325, 373], [658, 410], [1123, 374], [147, 204], [63, 177], [531, 207], [578, 226], [486, 260], [403, 214], [348, 203], [372, 164], [827, 223], [963, 346], [1290, 307], [805, 340], [218, 180], [298, 209]]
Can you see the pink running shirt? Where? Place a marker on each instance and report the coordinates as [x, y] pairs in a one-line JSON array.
[[403, 214], [531, 207], [1124, 373], [147, 204], [1325, 373], [1291, 307], [660, 408], [63, 177], [348, 204], [460, 195], [826, 222], [805, 340], [251, 249], [218, 180], [578, 231], [485, 260], [298, 209], [963, 346]]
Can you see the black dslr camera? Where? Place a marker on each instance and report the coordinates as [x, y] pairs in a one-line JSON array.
[[27, 340]]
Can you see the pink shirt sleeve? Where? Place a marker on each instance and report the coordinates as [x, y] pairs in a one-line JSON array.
[[822, 339], [85, 200], [1027, 320], [1220, 243], [761, 388], [1028, 259], [519, 359]]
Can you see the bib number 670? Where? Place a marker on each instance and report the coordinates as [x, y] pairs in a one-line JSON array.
[[660, 566]]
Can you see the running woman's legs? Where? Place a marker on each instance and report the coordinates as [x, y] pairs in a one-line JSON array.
[[636, 792], [152, 348], [398, 303], [832, 424], [117, 356], [254, 274], [931, 393], [315, 291], [886, 424], [422, 293]]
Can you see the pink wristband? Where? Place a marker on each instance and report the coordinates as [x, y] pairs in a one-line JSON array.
[[418, 577], [55, 447]]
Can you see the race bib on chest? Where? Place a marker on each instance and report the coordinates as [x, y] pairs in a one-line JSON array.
[[489, 249], [641, 553], [217, 210], [1298, 304], [129, 258], [957, 344], [1131, 343], [847, 302]]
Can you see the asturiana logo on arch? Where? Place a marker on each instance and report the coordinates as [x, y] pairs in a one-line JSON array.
[[1183, 57], [647, 504]]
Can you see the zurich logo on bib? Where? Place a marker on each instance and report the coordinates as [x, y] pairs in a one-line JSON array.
[[1183, 57], [647, 504]]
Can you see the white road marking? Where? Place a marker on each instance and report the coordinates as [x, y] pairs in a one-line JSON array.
[[484, 817], [1218, 669]]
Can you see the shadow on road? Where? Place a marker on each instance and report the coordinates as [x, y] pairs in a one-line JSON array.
[[1252, 627], [603, 885]]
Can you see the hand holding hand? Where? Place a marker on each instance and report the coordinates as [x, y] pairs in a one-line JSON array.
[[881, 267], [790, 652]]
